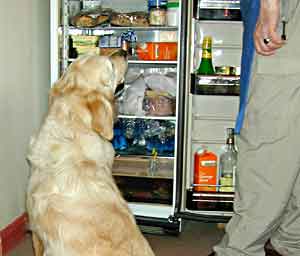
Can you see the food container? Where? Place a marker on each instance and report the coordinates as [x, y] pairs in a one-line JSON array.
[[158, 16], [157, 51], [91, 4], [74, 8], [131, 19], [173, 14]]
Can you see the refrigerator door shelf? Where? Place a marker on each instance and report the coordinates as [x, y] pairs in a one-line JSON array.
[[139, 167], [215, 85]]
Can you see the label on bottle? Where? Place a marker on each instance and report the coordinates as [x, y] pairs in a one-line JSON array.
[[226, 184], [206, 54], [205, 171]]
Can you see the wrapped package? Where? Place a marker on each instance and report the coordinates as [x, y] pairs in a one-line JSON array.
[[90, 18], [162, 83], [131, 101], [85, 44], [131, 19], [158, 104]]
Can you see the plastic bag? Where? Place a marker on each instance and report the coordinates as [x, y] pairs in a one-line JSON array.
[[91, 17], [131, 102], [131, 19], [162, 83], [158, 104]]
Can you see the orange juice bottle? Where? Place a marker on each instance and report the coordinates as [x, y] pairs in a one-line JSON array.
[[205, 170]]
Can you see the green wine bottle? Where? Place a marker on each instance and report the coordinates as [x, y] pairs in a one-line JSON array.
[[206, 66]]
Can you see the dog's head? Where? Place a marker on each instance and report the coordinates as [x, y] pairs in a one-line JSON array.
[[94, 79]]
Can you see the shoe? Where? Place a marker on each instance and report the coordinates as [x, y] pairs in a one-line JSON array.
[[212, 254], [269, 249]]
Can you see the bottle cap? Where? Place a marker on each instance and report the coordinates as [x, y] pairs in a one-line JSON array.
[[207, 41]]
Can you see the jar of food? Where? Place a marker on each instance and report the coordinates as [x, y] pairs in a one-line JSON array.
[[158, 16], [173, 13]]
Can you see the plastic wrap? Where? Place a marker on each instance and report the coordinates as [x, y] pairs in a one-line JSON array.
[[131, 102], [131, 19], [162, 82], [91, 17], [158, 104]]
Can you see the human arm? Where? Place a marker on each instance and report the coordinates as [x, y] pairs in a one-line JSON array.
[[266, 27]]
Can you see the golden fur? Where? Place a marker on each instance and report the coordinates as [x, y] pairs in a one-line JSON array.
[[74, 206]]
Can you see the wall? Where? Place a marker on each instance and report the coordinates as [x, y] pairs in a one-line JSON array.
[[24, 81]]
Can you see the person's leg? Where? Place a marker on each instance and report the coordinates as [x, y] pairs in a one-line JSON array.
[[268, 165], [286, 239]]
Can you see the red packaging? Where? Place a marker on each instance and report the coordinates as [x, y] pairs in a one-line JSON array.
[[157, 51], [205, 170]]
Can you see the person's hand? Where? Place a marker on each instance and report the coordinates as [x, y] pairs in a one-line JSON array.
[[266, 38]]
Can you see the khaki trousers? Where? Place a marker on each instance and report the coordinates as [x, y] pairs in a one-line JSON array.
[[267, 203]]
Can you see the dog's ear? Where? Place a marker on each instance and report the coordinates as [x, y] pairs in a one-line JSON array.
[[102, 112]]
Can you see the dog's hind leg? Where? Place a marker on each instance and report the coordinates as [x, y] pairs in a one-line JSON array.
[[37, 245]]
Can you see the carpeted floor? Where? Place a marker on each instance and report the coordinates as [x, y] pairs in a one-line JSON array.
[[196, 239]]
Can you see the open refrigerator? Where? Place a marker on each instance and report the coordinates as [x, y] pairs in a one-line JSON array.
[[162, 118]]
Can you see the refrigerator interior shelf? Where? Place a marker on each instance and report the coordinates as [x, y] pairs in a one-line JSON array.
[[115, 28], [162, 62], [171, 118], [156, 62], [139, 175], [99, 31], [139, 167]]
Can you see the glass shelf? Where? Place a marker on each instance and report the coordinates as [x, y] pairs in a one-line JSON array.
[[171, 118], [109, 30]]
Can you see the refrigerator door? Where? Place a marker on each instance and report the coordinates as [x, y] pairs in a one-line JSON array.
[[210, 107]]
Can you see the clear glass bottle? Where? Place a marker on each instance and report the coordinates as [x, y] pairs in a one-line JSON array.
[[228, 161]]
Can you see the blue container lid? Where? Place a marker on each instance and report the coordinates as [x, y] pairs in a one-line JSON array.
[[157, 3]]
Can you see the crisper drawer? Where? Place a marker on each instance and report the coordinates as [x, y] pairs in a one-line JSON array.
[[139, 167], [138, 184], [218, 107], [224, 34], [210, 130]]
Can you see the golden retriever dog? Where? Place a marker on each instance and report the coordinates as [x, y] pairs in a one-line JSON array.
[[74, 205]]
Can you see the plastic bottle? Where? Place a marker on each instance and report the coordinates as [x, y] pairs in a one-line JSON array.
[[205, 170], [173, 14], [206, 66]]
